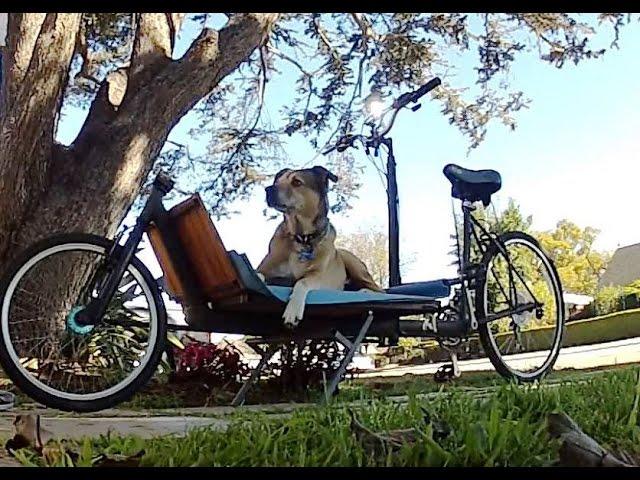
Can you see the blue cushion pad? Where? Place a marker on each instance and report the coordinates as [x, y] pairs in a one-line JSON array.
[[341, 297], [433, 289]]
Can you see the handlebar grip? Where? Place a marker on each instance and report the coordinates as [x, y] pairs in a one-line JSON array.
[[406, 98], [426, 88]]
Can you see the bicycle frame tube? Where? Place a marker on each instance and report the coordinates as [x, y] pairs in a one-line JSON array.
[[512, 290], [467, 230], [152, 212], [466, 313]]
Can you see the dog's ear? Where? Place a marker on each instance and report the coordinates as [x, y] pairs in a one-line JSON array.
[[280, 173], [325, 174]]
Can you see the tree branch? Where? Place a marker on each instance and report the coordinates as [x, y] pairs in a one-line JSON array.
[[175, 23], [212, 56], [325, 40], [365, 26], [22, 32], [27, 126], [152, 46]]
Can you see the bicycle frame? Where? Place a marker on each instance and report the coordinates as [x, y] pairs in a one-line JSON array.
[[470, 271], [120, 256], [154, 212]]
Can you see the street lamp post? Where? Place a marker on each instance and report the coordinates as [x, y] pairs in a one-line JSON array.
[[374, 107]]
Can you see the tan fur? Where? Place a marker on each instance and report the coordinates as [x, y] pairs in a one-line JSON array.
[[300, 195], [357, 271]]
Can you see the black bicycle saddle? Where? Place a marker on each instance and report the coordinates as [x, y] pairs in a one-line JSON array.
[[472, 185]]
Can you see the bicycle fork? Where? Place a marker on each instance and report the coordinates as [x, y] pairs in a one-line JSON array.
[[117, 261]]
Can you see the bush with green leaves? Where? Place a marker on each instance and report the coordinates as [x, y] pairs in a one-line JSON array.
[[304, 365], [616, 298]]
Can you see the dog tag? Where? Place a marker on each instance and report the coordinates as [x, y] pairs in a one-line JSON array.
[[306, 256]]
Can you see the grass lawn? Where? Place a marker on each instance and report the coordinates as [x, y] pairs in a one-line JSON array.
[[606, 328], [166, 396], [163, 396], [505, 428]]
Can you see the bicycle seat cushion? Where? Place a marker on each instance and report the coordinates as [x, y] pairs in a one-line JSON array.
[[472, 185], [290, 282]]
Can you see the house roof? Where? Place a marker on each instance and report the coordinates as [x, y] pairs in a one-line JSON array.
[[623, 268]]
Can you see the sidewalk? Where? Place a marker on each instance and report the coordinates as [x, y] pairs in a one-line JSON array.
[[145, 424]]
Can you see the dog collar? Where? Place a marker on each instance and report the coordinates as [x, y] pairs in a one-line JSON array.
[[306, 240]]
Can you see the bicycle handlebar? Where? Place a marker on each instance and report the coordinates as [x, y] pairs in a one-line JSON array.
[[163, 182], [402, 101], [343, 143]]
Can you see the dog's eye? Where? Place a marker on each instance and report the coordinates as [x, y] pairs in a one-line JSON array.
[[295, 182]]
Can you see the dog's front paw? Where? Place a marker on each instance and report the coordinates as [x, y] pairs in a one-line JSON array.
[[292, 315]]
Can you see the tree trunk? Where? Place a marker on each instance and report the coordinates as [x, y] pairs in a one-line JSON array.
[[33, 81], [46, 188]]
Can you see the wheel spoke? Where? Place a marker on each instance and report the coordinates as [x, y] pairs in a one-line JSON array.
[[56, 357], [519, 276]]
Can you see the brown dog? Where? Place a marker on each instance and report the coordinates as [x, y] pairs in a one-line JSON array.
[[302, 246]]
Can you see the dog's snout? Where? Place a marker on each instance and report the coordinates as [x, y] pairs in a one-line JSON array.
[[271, 195]]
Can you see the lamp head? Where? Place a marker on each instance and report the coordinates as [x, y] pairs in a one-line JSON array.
[[374, 105]]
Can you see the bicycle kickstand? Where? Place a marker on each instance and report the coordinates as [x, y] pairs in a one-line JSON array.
[[448, 371]]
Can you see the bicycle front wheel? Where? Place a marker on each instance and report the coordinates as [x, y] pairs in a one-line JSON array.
[[60, 362], [519, 308]]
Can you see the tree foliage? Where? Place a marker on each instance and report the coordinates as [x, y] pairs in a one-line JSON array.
[[371, 245], [510, 219], [570, 246], [335, 59]]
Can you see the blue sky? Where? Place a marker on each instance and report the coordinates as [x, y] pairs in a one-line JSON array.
[[574, 155]]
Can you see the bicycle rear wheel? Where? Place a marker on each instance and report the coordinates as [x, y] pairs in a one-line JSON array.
[[59, 362], [522, 290]]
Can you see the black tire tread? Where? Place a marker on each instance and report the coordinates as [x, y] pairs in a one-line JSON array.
[[483, 329], [59, 403]]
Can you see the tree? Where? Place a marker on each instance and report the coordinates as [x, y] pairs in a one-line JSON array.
[[121, 67], [571, 249], [509, 220], [90, 184], [568, 245], [371, 246]]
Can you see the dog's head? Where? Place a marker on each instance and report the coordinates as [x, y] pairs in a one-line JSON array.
[[301, 191]]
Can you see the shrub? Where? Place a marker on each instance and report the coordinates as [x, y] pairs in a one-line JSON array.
[[304, 365], [608, 300], [615, 299], [216, 366]]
